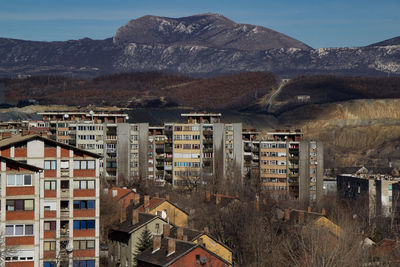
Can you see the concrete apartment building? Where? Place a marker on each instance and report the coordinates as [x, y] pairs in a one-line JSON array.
[[376, 190], [50, 189], [284, 164]]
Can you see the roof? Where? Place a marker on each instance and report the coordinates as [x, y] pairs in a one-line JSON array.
[[330, 226], [154, 203], [144, 218], [160, 257], [193, 234], [15, 139], [23, 165]]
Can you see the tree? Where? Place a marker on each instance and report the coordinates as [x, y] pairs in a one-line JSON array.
[[145, 241]]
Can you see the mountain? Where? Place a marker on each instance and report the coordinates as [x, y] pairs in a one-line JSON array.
[[388, 42], [207, 30], [201, 45]]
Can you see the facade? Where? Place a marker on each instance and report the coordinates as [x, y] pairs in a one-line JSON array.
[[125, 237], [20, 191], [375, 192], [284, 164], [63, 204]]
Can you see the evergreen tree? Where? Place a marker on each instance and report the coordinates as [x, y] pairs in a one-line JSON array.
[[145, 241]]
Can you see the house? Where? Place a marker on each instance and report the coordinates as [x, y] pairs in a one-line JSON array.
[[164, 207], [124, 196], [177, 253], [61, 208], [204, 238], [124, 239]]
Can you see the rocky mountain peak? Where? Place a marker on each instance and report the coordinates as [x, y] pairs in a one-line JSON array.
[[209, 30]]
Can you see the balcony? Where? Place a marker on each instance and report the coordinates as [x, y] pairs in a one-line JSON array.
[[207, 132], [64, 172], [208, 150], [207, 141]]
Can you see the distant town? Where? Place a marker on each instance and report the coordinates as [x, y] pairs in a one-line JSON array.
[[88, 188]]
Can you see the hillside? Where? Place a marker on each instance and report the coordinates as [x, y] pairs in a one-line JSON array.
[[319, 89], [202, 45], [145, 90]]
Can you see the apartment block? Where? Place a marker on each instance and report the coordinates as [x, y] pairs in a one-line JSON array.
[[375, 190], [20, 220], [284, 164], [55, 190]]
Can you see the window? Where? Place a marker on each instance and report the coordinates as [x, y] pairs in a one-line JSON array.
[[49, 245], [21, 255], [19, 230], [84, 164], [84, 263], [19, 180], [50, 225], [49, 264], [84, 184], [50, 165], [50, 205], [84, 204], [19, 204], [50, 185], [83, 244], [64, 164], [390, 187], [64, 184], [84, 224]]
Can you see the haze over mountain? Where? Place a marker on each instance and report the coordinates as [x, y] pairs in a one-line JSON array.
[[200, 45]]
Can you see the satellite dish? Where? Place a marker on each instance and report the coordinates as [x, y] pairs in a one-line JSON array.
[[91, 112], [127, 117], [69, 247], [163, 214], [66, 116], [203, 260]]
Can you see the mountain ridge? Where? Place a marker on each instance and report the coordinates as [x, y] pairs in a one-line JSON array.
[[202, 45]]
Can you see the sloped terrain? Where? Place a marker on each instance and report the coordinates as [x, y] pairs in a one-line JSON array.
[[203, 45]]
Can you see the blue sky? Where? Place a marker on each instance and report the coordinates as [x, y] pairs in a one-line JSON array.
[[317, 23]]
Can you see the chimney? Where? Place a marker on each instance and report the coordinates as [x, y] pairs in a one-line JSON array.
[[146, 201], [217, 199], [237, 195], [323, 212], [156, 242], [208, 196], [166, 230], [200, 242], [136, 199], [185, 238], [122, 215], [309, 209], [135, 217], [171, 246], [206, 230], [167, 197], [301, 217], [287, 215], [257, 205], [179, 233]]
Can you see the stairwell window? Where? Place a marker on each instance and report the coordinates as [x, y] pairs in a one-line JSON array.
[[50, 164]]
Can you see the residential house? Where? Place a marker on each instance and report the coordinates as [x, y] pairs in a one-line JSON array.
[[124, 238], [178, 253]]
